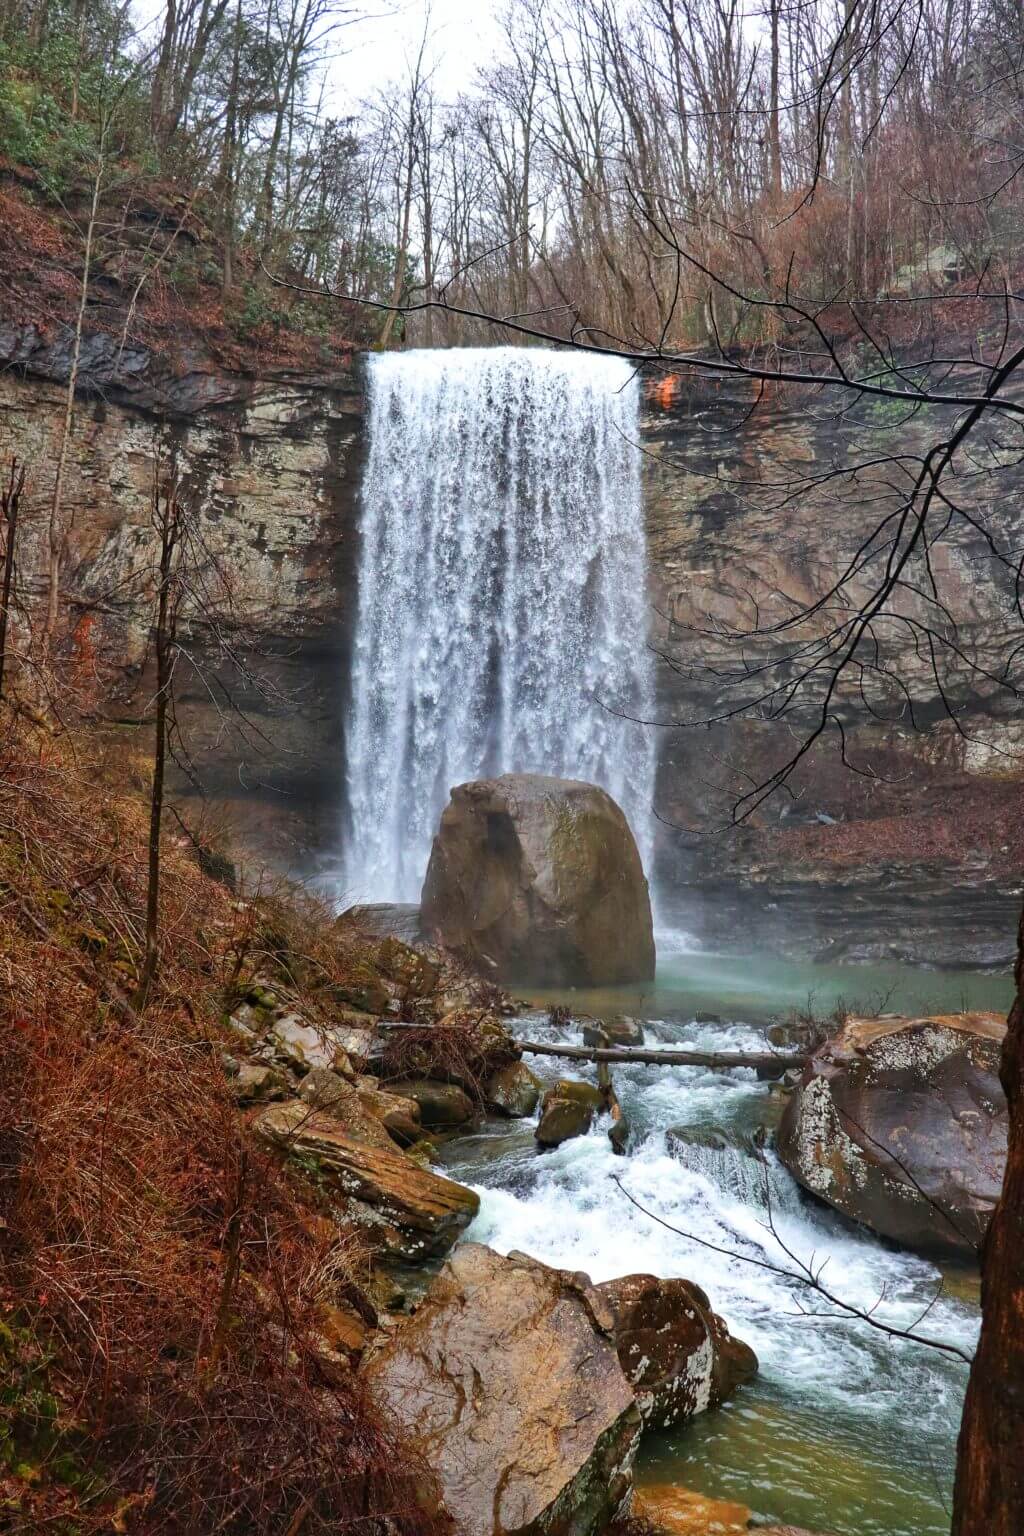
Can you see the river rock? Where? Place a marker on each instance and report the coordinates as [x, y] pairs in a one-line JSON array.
[[417, 1213], [678, 1356], [363, 1108], [299, 1044], [674, 1511], [398, 1114], [389, 920], [255, 1083], [513, 1091], [567, 1109], [440, 1104], [507, 1385], [901, 1124], [536, 879], [620, 1031]]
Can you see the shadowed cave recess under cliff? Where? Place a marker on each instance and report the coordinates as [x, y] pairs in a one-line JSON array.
[[911, 859]]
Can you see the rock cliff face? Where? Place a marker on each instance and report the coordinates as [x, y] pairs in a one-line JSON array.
[[885, 862], [917, 853], [271, 468]]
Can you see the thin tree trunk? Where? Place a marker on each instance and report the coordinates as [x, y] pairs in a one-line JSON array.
[[56, 533], [989, 1496], [165, 624], [774, 137], [11, 500]]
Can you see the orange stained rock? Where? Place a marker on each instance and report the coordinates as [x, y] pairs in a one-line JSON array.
[[664, 390], [675, 1511]]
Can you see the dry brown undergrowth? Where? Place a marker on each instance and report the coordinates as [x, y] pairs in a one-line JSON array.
[[159, 1273]]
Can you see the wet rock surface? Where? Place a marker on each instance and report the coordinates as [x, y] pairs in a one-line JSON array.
[[567, 1109], [416, 1213], [676, 1511], [513, 1091], [507, 1383], [901, 1124], [620, 1030], [677, 1354], [441, 1105], [535, 879]]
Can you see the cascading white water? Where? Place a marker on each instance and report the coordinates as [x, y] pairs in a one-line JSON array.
[[844, 1429], [502, 620]]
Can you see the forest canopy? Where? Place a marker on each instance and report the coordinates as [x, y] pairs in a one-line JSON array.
[[613, 171]]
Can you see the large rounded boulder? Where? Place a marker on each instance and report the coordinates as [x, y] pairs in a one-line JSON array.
[[538, 880], [901, 1124], [678, 1356], [507, 1384]]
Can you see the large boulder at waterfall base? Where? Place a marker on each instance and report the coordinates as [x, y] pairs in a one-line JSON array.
[[677, 1355], [414, 1213], [506, 1383], [901, 1124], [538, 880]]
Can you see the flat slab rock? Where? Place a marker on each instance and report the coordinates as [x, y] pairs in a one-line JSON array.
[[901, 1124], [420, 1213], [508, 1384]]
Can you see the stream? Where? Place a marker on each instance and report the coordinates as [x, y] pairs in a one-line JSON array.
[[843, 1430]]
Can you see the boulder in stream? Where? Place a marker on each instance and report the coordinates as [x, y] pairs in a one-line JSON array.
[[567, 1109], [441, 1105], [615, 1031], [901, 1124], [536, 879], [671, 1510], [513, 1091], [507, 1384], [678, 1356]]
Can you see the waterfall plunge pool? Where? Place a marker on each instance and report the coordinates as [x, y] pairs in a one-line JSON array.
[[843, 1430]]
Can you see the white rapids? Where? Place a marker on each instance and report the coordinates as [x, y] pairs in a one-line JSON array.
[[502, 620], [881, 1413]]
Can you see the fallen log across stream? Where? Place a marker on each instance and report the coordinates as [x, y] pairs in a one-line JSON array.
[[715, 1060], [773, 1061]]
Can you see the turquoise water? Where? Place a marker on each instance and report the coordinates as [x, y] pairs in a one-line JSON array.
[[758, 987]]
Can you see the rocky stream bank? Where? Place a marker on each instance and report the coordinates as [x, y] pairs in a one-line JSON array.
[[527, 1387]]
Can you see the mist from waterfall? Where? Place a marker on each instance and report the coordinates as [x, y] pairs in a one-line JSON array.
[[502, 621]]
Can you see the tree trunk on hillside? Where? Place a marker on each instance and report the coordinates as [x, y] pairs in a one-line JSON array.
[[169, 519], [57, 532], [10, 499], [989, 1495]]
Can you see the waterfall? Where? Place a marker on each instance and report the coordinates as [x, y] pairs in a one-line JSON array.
[[502, 620]]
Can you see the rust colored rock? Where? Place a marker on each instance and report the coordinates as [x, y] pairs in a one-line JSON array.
[[567, 1109], [678, 1356], [417, 1213], [343, 1329], [507, 1385], [675, 1511], [535, 879], [901, 1124], [363, 1108]]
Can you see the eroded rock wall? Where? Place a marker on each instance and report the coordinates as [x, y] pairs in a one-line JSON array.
[[912, 846], [271, 475]]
